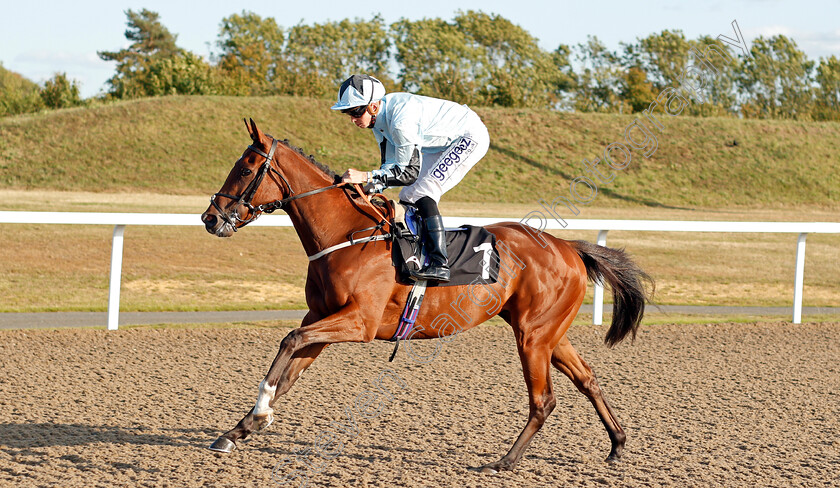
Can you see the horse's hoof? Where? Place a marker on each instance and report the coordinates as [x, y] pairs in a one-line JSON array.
[[615, 455], [495, 468], [222, 444]]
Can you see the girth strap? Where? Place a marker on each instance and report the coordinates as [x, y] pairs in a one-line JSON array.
[[348, 244]]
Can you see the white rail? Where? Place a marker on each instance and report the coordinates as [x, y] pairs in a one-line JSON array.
[[120, 220]]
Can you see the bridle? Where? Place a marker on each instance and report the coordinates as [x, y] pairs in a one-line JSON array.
[[249, 192]]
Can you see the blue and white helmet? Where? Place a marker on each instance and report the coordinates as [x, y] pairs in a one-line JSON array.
[[357, 91]]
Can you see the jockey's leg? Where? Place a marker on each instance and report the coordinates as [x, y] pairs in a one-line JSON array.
[[440, 172], [434, 241]]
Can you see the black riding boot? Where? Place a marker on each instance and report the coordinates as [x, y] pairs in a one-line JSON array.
[[434, 243]]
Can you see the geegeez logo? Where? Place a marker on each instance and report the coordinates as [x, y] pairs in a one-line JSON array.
[[453, 157]]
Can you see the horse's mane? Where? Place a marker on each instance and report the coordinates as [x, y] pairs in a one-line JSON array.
[[330, 173], [323, 167]]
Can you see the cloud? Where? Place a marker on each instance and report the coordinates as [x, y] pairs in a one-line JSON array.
[[60, 60], [86, 68], [769, 31], [821, 44], [814, 44]]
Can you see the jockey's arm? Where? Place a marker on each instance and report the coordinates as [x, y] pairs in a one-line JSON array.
[[400, 165]]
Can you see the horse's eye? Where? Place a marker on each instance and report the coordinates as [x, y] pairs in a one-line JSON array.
[[246, 172]]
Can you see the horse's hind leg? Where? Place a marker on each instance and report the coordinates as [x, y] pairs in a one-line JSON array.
[[566, 359], [262, 414], [535, 366]]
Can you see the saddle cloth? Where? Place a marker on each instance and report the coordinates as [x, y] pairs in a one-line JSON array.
[[471, 250]]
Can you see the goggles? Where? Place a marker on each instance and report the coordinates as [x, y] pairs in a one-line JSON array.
[[355, 112]]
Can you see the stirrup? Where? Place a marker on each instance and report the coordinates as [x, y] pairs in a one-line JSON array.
[[432, 273]]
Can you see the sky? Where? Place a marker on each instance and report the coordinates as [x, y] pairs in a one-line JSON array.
[[38, 40]]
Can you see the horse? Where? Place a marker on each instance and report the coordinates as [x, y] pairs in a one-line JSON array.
[[353, 294]]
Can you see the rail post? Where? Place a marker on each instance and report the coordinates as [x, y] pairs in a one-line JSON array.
[[116, 274], [598, 298], [799, 278]]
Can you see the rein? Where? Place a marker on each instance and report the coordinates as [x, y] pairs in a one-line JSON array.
[[248, 195]]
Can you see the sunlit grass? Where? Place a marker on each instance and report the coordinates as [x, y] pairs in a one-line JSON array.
[[66, 268], [186, 145]]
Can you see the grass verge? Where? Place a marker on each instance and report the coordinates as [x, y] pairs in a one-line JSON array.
[[66, 268]]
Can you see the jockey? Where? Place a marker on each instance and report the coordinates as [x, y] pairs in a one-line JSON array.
[[427, 146]]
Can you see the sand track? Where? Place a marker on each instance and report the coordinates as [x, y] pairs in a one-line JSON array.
[[703, 405]]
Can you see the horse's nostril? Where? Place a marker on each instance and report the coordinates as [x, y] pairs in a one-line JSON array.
[[209, 221]]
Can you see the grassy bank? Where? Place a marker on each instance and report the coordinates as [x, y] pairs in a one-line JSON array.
[[186, 145]]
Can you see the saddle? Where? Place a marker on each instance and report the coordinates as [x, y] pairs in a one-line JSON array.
[[471, 250], [472, 256]]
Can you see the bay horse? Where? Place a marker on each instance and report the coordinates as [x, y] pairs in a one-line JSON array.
[[353, 295]]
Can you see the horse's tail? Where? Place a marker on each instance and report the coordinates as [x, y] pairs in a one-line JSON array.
[[627, 282]]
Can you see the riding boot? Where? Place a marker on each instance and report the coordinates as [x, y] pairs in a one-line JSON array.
[[434, 243]]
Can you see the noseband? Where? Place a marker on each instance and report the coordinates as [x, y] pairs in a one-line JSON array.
[[249, 192]]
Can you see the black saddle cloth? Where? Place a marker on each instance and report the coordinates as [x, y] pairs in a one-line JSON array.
[[471, 250]]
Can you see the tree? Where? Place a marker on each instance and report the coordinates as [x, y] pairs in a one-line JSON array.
[[151, 42], [565, 80], [828, 94], [251, 53], [17, 94], [182, 74], [437, 59], [776, 80], [321, 56], [599, 83], [721, 96], [514, 70], [662, 56], [637, 91], [59, 92], [480, 59]]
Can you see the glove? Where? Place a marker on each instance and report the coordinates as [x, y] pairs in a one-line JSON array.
[[371, 188]]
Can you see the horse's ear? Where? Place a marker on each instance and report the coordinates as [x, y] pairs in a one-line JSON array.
[[247, 127], [255, 131], [252, 129]]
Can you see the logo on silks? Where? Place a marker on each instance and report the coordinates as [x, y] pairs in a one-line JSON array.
[[454, 156]]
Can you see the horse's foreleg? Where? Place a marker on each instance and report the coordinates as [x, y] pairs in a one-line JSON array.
[[263, 411], [297, 351], [535, 366], [566, 359], [262, 414]]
